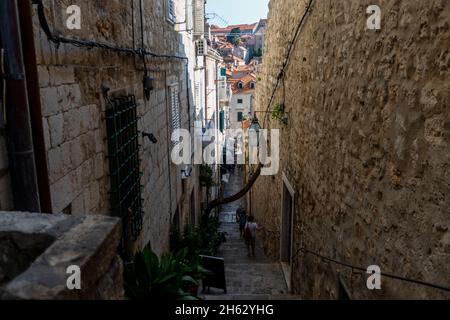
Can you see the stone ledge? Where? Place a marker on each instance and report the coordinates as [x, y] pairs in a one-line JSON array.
[[89, 242]]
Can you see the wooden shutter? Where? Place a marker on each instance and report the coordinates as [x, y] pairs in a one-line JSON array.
[[199, 17]]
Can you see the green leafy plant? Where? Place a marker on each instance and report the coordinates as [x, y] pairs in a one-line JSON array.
[[204, 239], [171, 277], [279, 113], [206, 176]]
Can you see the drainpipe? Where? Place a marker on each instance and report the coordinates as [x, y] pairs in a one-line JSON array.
[[18, 127], [34, 100]]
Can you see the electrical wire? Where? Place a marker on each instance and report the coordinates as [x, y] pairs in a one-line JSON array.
[[388, 275], [287, 58], [90, 44], [280, 79], [142, 38]]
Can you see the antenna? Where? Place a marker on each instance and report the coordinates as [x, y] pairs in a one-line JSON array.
[[213, 15]]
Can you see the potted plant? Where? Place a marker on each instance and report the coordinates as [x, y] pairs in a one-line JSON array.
[[148, 277]]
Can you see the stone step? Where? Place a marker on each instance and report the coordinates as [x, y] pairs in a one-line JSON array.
[[249, 297]]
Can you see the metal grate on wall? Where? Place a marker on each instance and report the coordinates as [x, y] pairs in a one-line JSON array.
[[124, 164]]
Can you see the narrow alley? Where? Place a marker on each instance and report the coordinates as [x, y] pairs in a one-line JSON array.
[[131, 132], [247, 278]]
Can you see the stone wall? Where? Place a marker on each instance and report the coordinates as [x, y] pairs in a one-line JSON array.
[[71, 81], [366, 148], [37, 250]]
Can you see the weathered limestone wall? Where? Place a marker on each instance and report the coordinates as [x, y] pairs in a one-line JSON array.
[[367, 144], [36, 250], [71, 81]]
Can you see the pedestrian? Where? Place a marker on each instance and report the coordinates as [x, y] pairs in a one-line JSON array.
[[241, 218], [250, 234]]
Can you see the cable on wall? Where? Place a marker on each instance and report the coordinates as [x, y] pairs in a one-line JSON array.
[[388, 275], [90, 44], [281, 73]]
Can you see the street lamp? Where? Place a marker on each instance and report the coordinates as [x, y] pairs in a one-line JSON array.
[[254, 132]]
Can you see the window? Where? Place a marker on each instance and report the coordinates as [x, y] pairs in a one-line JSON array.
[[171, 16], [199, 17], [240, 101], [189, 15], [240, 116], [252, 85], [175, 108], [240, 85]]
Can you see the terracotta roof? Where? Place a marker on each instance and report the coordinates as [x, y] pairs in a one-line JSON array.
[[226, 46], [246, 81], [243, 27]]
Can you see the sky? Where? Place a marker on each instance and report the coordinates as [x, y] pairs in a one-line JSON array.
[[238, 11]]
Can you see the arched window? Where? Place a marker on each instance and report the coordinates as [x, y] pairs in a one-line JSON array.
[[240, 85], [252, 85]]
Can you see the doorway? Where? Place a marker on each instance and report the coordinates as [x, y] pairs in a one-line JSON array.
[[286, 237]]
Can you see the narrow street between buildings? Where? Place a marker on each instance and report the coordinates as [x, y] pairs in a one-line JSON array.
[[257, 278]]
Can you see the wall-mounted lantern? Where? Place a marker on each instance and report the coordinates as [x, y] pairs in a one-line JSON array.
[[254, 133]]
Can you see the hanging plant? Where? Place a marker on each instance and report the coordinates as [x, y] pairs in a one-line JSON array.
[[206, 176], [279, 113]]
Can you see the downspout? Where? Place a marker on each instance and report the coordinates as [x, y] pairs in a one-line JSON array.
[[34, 100], [217, 120], [18, 127]]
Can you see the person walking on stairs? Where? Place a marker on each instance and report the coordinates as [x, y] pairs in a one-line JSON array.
[[250, 235], [241, 218]]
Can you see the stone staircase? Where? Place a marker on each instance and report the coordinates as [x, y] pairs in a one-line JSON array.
[[247, 278]]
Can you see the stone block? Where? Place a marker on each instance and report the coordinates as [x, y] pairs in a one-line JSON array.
[[95, 117], [99, 141], [44, 76], [72, 124], [55, 242], [60, 75], [88, 144], [56, 129], [77, 154], [70, 96], [78, 207], [55, 164], [46, 129], [99, 164], [62, 193], [51, 101]]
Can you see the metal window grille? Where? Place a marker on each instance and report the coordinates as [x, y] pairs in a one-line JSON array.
[[124, 163]]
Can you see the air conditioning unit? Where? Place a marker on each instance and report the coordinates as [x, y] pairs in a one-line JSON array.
[[202, 47]]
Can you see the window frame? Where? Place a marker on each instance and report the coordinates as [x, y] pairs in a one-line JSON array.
[[240, 101], [171, 14], [175, 109]]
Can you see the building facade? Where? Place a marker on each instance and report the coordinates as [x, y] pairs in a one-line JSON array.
[[100, 103], [242, 104]]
